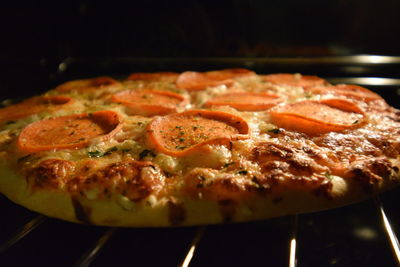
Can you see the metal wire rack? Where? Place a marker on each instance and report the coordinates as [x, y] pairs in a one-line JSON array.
[[43, 241], [363, 234]]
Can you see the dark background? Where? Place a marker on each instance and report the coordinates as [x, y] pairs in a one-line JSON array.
[[195, 28], [36, 36]]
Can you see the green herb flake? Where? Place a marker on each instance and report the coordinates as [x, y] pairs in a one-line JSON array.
[[178, 127], [226, 165], [181, 139], [328, 175], [146, 153], [10, 122], [203, 136], [23, 158], [180, 147], [242, 172], [125, 150], [275, 131], [111, 150], [308, 95], [95, 154], [355, 122]]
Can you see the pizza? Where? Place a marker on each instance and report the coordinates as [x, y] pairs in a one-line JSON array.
[[175, 149]]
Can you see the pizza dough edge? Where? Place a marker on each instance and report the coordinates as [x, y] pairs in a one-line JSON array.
[[180, 211]]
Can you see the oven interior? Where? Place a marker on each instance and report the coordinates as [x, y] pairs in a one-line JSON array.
[[355, 235]]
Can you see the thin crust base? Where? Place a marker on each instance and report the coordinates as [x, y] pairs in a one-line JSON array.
[[178, 211]]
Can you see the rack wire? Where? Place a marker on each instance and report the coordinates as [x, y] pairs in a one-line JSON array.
[[394, 242], [193, 246], [293, 241], [21, 233], [89, 256]]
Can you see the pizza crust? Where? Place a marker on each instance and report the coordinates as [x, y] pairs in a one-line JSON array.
[[178, 211]]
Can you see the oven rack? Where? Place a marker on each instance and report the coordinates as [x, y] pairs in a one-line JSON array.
[[99, 246]]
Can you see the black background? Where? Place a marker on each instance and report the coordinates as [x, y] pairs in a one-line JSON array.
[[195, 28], [37, 35]]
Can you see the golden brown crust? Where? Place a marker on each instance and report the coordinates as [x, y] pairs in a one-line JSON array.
[[183, 211], [128, 180]]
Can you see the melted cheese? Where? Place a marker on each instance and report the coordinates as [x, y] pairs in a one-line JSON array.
[[214, 161]]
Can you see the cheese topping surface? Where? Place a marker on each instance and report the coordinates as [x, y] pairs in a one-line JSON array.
[[190, 134]]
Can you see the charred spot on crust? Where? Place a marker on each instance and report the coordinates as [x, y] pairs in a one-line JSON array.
[[324, 189], [370, 172], [301, 165], [230, 184], [124, 177], [82, 213], [275, 158], [388, 148], [199, 184], [347, 145], [268, 150], [51, 173], [273, 182], [382, 167], [310, 151], [366, 177], [227, 207], [176, 212], [262, 185], [276, 166]]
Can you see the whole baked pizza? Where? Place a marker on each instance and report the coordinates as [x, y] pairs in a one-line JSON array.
[[172, 149]]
